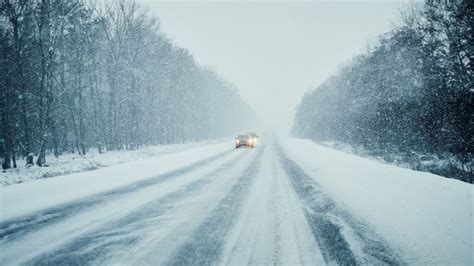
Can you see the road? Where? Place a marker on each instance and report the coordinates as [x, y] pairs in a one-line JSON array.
[[238, 206]]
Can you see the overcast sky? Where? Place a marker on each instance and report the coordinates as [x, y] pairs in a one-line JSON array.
[[274, 51]]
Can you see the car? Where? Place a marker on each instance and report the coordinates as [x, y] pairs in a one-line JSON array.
[[248, 140]]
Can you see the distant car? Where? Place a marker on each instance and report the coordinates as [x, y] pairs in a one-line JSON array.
[[249, 140]]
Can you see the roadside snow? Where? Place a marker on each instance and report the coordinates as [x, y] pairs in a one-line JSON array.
[[427, 217], [73, 163], [25, 198]]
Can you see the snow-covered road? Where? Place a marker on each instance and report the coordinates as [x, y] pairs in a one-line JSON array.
[[279, 203]]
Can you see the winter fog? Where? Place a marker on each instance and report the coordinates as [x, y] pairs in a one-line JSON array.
[[274, 52], [143, 132]]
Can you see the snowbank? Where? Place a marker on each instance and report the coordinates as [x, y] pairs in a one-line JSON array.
[[427, 217], [73, 163]]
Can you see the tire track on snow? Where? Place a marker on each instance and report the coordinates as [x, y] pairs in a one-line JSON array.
[[326, 222], [95, 247], [206, 244]]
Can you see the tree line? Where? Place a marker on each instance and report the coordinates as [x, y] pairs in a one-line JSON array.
[[77, 75], [413, 92]]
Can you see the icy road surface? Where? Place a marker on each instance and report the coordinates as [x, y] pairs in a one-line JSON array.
[[287, 202]]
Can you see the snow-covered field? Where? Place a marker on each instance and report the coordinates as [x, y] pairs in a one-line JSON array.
[[286, 202], [73, 163]]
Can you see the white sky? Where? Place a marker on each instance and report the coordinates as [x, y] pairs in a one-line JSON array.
[[274, 51]]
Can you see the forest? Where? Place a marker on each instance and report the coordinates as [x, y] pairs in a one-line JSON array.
[[410, 95], [78, 75]]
